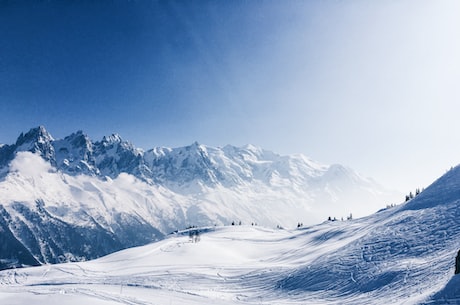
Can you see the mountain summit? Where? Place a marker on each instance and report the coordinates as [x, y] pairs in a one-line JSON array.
[[75, 199]]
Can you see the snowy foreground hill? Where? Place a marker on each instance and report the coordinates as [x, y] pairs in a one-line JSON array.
[[74, 199], [400, 255]]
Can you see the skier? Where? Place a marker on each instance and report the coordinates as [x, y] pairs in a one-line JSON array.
[[457, 263]]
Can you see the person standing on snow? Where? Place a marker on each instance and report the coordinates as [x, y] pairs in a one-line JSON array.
[[457, 263]]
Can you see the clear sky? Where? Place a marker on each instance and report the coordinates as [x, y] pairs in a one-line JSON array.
[[374, 85]]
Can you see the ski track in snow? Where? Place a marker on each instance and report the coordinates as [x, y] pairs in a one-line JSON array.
[[380, 259], [401, 255]]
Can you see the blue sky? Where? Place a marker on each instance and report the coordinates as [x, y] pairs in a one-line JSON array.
[[369, 84]]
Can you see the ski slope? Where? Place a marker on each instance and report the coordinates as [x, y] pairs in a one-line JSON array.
[[229, 265], [381, 259], [400, 255]]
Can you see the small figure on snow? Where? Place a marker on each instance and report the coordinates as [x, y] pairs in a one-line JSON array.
[[457, 263]]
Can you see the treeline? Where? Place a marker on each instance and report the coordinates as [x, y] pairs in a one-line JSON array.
[[349, 217], [412, 196]]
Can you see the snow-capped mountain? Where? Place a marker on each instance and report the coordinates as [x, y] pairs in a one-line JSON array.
[[400, 255], [76, 199]]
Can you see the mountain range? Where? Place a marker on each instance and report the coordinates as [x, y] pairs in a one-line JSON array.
[[75, 199]]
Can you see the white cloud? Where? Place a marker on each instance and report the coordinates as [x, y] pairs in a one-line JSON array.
[[29, 164]]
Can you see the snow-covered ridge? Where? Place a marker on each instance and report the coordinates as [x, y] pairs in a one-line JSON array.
[[228, 166], [76, 199]]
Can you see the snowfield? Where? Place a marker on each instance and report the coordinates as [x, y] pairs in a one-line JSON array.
[[401, 255]]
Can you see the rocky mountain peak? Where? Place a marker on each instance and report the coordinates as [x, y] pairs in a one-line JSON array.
[[36, 140], [112, 139], [195, 164], [34, 135]]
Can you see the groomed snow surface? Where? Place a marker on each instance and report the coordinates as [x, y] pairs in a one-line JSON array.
[[402, 255]]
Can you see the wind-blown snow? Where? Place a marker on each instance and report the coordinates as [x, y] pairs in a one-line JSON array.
[[29, 165]]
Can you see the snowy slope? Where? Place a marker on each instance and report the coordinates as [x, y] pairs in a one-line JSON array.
[[74, 199], [397, 256], [400, 255]]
